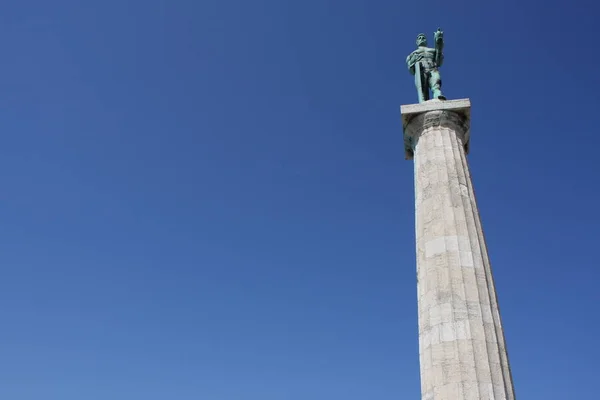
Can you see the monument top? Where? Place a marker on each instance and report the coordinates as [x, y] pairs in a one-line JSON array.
[[410, 112]]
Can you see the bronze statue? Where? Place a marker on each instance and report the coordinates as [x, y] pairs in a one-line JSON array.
[[424, 62]]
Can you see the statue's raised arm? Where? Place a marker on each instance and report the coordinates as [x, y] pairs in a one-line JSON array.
[[438, 38]]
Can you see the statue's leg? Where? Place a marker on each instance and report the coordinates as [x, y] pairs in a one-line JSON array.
[[435, 83]]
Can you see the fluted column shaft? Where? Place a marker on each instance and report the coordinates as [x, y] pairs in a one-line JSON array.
[[461, 342]]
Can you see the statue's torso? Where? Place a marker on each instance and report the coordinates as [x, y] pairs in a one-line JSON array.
[[424, 55]]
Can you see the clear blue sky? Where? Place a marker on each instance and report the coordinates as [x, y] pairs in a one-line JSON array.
[[209, 199]]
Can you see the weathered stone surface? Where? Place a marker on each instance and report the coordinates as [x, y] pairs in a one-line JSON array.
[[461, 342]]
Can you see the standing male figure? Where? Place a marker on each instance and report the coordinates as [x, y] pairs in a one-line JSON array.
[[424, 62]]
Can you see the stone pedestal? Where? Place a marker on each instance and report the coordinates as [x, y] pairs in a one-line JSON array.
[[461, 342]]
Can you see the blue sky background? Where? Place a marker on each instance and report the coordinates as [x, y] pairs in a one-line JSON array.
[[209, 199]]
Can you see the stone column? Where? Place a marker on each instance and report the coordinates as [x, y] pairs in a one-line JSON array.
[[461, 342]]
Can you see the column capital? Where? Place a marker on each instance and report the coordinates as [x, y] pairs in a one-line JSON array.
[[418, 117]]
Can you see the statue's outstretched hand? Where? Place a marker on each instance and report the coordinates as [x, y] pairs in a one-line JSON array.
[[438, 35]]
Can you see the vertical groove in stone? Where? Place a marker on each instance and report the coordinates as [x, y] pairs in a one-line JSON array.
[[477, 321], [421, 320], [455, 144], [490, 336], [449, 231], [461, 344], [506, 376]]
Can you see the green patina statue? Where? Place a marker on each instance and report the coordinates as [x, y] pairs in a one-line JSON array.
[[424, 62]]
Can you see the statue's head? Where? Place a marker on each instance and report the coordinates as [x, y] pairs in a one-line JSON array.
[[421, 40]]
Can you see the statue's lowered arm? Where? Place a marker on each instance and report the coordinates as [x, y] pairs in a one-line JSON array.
[[411, 60]]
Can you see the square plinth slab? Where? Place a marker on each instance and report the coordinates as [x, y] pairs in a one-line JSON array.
[[409, 111]]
